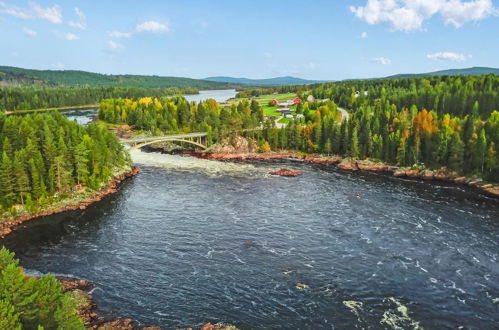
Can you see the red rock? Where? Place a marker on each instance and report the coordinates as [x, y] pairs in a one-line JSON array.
[[286, 172], [347, 167]]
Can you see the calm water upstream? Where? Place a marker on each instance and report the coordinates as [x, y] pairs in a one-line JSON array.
[[190, 241]]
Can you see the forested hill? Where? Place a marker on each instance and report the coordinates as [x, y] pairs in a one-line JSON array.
[[474, 71], [12, 76], [278, 81]]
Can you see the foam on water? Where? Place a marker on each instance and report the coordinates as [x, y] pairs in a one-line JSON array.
[[193, 164]]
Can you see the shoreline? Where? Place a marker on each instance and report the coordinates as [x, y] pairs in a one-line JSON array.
[[8, 225], [346, 164]]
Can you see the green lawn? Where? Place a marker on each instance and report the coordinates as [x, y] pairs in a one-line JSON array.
[[264, 100]]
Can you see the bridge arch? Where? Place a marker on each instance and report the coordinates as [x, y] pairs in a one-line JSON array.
[[140, 145]]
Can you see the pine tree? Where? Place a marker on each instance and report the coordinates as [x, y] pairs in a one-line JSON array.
[[81, 160], [456, 151], [6, 181], [354, 144], [19, 291], [401, 152], [9, 319], [22, 180], [65, 315], [38, 185], [327, 147]]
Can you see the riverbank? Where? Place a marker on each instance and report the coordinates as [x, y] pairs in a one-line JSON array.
[[86, 308], [78, 200], [348, 164]]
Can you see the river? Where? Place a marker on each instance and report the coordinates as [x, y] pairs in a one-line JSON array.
[[190, 241]]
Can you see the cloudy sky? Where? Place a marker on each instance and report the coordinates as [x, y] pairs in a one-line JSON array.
[[320, 39]]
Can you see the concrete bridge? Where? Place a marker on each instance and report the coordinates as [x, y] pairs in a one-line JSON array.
[[196, 139]]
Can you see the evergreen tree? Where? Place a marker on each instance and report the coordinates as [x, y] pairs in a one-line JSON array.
[[22, 180], [9, 319], [456, 151], [6, 182], [354, 144]]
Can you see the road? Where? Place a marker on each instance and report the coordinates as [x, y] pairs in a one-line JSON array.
[[344, 114]]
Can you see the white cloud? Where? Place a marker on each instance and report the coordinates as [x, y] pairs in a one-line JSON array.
[[81, 24], [448, 56], [52, 14], [118, 34], [114, 46], [145, 27], [15, 11], [70, 36], [29, 32], [364, 35], [152, 27], [409, 15], [57, 66], [382, 60], [267, 55]]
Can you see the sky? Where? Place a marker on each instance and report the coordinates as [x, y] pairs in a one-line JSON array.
[[320, 39]]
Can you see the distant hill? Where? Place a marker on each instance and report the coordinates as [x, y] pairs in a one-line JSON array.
[[12, 76], [279, 81], [474, 71]]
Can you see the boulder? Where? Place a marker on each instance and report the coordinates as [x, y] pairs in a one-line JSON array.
[[286, 172]]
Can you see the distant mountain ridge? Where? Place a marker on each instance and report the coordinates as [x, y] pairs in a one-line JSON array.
[[473, 71], [13, 76], [278, 81], [19, 76]]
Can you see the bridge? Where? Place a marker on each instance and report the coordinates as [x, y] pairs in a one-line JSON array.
[[196, 139]]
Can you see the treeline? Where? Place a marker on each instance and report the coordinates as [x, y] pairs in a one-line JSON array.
[[26, 98], [45, 154], [249, 92], [407, 137], [30, 303], [455, 95], [176, 114], [78, 78]]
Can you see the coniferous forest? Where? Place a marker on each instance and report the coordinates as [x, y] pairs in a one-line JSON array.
[[36, 97], [43, 156], [426, 122], [30, 303]]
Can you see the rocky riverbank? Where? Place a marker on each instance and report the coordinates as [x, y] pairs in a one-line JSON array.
[[87, 309], [348, 164], [80, 201]]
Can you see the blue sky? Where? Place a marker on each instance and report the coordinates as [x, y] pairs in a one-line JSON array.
[[320, 39]]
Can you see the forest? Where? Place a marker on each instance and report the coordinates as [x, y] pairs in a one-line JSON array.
[[36, 97], [31, 303], [425, 122], [454, 95], [73, 78], [175, 114], [43, 156]]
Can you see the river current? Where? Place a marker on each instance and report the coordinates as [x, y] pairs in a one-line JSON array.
[[190, 241]]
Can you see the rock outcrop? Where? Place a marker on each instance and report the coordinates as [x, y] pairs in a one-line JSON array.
[[286, 172]]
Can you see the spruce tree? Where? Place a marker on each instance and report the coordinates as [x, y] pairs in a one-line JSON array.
[[9, 319]]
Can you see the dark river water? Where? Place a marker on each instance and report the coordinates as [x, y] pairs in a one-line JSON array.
[[190, 241]]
